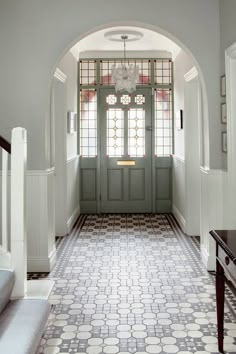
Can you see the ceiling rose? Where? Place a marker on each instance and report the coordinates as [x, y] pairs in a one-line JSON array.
[[116, 36]]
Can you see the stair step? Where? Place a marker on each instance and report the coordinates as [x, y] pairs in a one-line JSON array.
[[6, 286], [21, 326], [39, 289]]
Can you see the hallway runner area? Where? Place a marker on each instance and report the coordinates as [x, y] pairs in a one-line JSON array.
[[133, 283]]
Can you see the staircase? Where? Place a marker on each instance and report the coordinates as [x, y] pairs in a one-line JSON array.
[[24, 308]]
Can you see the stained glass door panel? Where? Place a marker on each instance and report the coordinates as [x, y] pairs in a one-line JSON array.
[[125, 151]]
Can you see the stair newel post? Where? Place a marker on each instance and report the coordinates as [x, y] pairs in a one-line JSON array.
[[18, 210]]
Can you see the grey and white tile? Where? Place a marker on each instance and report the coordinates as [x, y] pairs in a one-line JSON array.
[[133, 284]]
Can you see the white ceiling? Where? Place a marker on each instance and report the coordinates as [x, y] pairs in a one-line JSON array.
[[151, 41]]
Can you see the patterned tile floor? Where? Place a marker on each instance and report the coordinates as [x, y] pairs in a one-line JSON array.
[[133, 284]]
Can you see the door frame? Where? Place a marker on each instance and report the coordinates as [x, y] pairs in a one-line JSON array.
[[161, 164]]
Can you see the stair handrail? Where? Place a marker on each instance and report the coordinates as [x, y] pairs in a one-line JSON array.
[[4, 144]]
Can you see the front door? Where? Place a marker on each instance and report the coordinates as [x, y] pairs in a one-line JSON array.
[[126, 163]]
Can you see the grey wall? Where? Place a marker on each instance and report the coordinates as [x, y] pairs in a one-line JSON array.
[[35, 35], [227, 27], [228, 37]]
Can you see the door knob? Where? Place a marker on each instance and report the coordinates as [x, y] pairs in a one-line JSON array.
[[149, 128]]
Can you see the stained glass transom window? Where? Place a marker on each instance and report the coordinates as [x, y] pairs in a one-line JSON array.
[[139, 99], [163, 71], [143, 64], [155, 73], [125, 99], [88, 72], [115, 132], [88, 123], [111, 99], [136, 132], [163, 122]]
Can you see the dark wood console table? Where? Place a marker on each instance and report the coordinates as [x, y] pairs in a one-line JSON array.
[[225, 266]]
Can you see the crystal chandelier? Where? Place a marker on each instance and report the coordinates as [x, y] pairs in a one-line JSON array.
[[125, 76]]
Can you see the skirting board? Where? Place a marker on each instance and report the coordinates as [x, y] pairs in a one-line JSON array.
[[37, 264], [73, 218], [209, 262], [179, 217]]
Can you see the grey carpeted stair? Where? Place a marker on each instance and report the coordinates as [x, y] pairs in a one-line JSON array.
[[6, 286], [21, 321]]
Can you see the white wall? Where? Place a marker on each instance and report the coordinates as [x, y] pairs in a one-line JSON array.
[[72, 191], [60, 180], [218, 186], [192, 113], [179, 190], [182, 64], [54, 26], [68, 65], [41, 221]]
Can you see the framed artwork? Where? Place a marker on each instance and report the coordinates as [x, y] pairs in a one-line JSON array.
[[224, 142], [223, 86], [179, 119], [223, 113], [71, 122]]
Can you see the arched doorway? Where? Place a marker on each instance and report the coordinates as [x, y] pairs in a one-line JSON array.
[[94, 192]]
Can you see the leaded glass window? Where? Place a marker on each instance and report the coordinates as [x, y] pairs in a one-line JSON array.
[[155, 73], [111, 99], [88, 123], [143, 64], [163, 71], [163, 122], [139, 99], [125, 99], [88, 72], [115, 132], [136, 132]]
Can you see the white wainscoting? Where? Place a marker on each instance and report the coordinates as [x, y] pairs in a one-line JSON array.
[[211, 212], [178, 207], [41, 220], [41, 214], [72, 195]]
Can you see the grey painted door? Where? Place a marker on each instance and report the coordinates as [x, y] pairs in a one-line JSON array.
[[126, 159]]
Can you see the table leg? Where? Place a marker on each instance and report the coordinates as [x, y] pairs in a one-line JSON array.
[[220, 292]]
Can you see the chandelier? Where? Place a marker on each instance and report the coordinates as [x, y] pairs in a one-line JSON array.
[[125, 76]]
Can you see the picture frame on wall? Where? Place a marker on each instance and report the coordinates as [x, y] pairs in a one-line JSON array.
[[223, 113], [224, 141], [179, 119], [71, 122], [223, 86]]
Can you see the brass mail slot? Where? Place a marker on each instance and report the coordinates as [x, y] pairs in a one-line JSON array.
[[126, 163]]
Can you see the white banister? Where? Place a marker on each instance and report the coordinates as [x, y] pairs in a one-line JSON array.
[[5, 200], [18, 210]]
